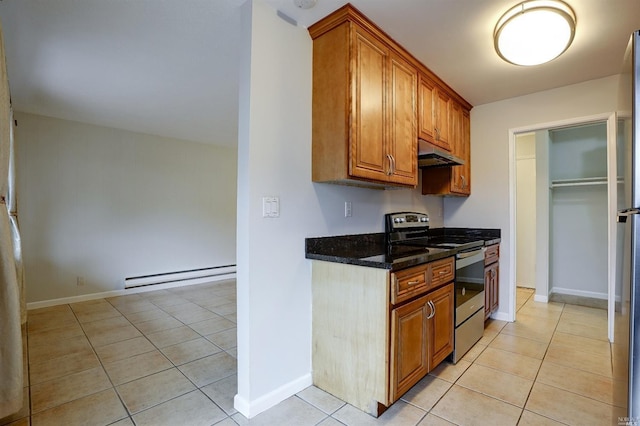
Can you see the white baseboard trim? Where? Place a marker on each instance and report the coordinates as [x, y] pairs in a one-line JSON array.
[[540, 298], [124, 292], [501, 316], [251, 409], [526, 285], [582, 293]]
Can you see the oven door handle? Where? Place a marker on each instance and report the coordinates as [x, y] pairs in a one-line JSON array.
[[466, 254], [467, 258]]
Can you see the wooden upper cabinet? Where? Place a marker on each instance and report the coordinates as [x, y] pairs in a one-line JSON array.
[[403, 139], [434, 105], [454, 180], [443, 102], [466, 145], [372, 100], [369, 155], [458, 179], [426, 110], [364, 105]]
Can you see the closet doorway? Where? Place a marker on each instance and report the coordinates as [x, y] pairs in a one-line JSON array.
[[564, 194]]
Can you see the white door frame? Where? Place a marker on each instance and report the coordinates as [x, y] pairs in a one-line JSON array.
[[512, 197]]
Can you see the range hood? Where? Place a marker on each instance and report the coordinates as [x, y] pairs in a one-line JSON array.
[[430, 155]]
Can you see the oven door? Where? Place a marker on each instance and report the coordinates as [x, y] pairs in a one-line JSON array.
[[469, 300], [469, 284]]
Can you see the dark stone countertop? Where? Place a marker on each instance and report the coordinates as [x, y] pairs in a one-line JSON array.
[[371, 249], [490, 236]]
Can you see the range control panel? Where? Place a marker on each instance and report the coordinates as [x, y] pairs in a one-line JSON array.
[[406, 221]]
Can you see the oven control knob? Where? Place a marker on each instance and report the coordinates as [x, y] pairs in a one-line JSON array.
[[396, 220], [424, 219], [402, 220]]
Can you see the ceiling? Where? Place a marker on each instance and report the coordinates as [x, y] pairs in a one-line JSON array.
[[170, 67]]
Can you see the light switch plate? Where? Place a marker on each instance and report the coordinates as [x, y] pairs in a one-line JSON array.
[[270, 207]]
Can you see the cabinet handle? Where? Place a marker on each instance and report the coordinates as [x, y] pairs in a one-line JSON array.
[[389, 170], [433, 310], [413, 282], [464, 181], [437, 133]]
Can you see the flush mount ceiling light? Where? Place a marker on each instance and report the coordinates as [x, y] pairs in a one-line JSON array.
[[534, 32]]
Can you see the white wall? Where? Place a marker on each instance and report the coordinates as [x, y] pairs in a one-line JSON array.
[[490, 204], [526, 210], [274, 155], [106, 204]]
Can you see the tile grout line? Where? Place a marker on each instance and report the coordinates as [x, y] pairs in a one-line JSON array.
[[587, 371], [524, 407], [535, 380], [197, 388], [177, 367], [103, 367], [82, 326]]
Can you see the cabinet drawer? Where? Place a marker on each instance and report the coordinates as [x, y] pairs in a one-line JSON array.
[[411, 282], [408, 283], [492, 254], [441, 272]]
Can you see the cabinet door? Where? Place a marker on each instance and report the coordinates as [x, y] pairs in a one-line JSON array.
[[409, 345], [441, 325], [433, 113], [491, 289], [495, 286], [426, 111], [453, 180], [403, 136], [368, 157], [457, 174], [442, 125], [465, 152]]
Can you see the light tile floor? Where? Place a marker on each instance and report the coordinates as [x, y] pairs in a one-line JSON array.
[[168, 357]]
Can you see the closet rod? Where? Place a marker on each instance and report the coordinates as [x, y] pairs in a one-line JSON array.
[[583, 183]]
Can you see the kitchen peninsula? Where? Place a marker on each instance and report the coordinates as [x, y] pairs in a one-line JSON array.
[[382, 317]]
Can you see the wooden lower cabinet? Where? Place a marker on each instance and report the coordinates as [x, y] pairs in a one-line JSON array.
[[421, 338], [368, 350], [441, 325], [410, 345], [491, 280], [491, 287]]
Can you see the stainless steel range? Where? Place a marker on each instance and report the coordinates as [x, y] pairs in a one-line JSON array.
[[410, 231]]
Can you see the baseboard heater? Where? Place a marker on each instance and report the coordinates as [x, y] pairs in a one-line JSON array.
[[179, 276]]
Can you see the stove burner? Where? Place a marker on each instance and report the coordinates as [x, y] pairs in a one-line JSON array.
[[412, 230]]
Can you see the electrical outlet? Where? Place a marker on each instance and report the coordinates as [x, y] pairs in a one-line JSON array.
[[80, 281]]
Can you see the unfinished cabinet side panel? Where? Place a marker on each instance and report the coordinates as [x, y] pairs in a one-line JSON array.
[[350, 336]]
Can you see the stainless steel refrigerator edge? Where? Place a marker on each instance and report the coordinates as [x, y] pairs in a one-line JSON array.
[[626, 342]]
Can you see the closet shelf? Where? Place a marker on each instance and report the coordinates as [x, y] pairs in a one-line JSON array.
[[581, 182]]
